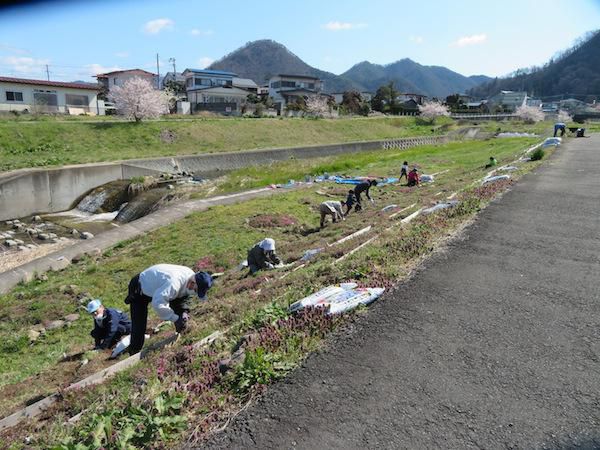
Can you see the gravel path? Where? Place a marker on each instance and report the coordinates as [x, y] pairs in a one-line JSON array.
[[493, 344]]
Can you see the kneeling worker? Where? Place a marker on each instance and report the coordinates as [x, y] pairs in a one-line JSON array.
[[262, 256], [332, 208], [110, 325], [167, 287]]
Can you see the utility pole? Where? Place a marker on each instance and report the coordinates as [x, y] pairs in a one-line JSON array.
[[172, 60], [157, 73], [47, 72]]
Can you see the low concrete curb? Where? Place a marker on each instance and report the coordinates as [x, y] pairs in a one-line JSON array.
[[62, 258]]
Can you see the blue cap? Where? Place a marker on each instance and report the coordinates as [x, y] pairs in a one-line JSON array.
[[93, 306], [203, 282]]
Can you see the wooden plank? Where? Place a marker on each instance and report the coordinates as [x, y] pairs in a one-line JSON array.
[[99, 377], [341, 258], [351, 236], [402, 210]]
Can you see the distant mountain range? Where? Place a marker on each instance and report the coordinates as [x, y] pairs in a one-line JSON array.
[[259, 60], [576, 73]]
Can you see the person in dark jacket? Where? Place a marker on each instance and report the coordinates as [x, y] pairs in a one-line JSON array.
[[262, 256], [350, 201], [363, 187], [110, 325], [169, 288]]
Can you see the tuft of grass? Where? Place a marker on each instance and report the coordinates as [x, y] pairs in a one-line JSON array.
[[537, 154]]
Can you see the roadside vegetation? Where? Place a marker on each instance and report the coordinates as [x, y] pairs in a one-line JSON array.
[[183, 387]]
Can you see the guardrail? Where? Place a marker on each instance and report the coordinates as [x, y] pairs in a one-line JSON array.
[[483, 116]]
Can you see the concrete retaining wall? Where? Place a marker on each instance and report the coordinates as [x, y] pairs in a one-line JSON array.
[[35, 191]]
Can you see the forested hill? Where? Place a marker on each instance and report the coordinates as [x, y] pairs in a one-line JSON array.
[[575, 72]]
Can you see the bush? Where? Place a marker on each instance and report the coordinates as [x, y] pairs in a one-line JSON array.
[[538, 154]]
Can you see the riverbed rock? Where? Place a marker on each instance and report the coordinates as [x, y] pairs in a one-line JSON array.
[[33, 335], [55, 324], [71, 317], [43, 237], [52, 235], [18, 226], [31, 246], [23, 248], [9, 223], [10, 243], [86, 235], [31, 231], [19, 241], [74, 232], [40, 328], [41, 277], [70, 289], [37, 219]]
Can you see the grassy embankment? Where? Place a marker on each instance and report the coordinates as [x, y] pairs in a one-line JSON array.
[[223, 234], [52, 143]]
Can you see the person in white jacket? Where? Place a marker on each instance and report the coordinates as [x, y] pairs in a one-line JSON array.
[[167, 287]]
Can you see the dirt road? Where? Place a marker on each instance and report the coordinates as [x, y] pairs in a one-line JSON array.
[[494, 344]]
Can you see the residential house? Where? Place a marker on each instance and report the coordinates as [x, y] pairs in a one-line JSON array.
[[405, 97], [339, 96], [172, 77], [25, 95], [507, 101], [534, 102], [550, 107], [217, 91], [287, 89], [245, 83], [119, 77], [480, 106], [573, 105]]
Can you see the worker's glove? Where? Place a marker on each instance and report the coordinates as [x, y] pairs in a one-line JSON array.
[[270, 266], [280, 264], [181, 323]]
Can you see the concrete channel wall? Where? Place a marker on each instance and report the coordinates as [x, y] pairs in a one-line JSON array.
[[34, 191]]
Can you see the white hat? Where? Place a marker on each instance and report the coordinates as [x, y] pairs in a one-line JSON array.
[[93, 306], [267, 244]]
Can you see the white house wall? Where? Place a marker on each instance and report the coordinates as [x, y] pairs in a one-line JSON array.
[[28, 103]]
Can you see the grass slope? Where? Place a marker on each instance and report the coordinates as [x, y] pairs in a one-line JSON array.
[[222, 234], [53, 142]]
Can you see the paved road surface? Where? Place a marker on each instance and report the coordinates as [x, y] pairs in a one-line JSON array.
[[494, 344]]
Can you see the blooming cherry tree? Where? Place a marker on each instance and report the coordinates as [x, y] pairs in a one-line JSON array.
[[564, 116], [431, 110], [529, 114], [317, 106], [138, 100]]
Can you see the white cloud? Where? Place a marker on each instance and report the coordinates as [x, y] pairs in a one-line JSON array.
[[157, 25], [122, 54], [470, 40], [24, 64], [340, 26], [198, 32], [416, 39], [11, 49], [95, 69], [205, 61]]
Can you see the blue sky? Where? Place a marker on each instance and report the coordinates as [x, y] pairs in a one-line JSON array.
[[79, 38]]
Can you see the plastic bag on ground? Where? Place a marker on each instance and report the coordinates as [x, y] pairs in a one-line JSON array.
[[427, 179], [439, 206], [495, 178]]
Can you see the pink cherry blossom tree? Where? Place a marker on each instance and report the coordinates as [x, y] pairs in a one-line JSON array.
[[317, 106], [432, 110], [564, 116], [138, 100], [529, 114]]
